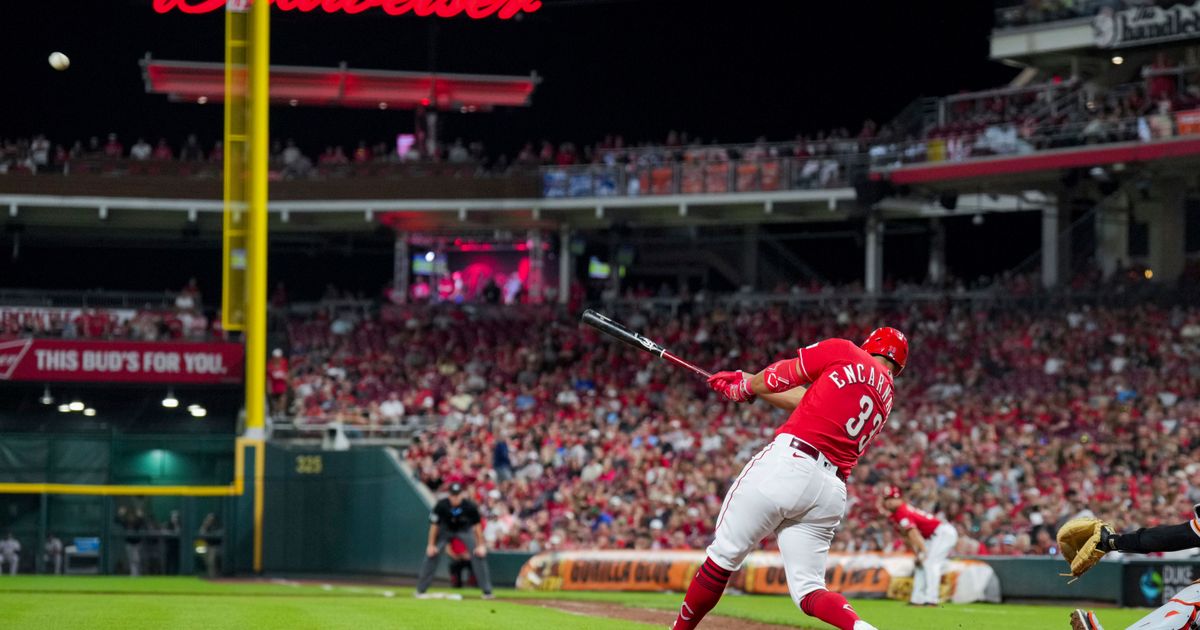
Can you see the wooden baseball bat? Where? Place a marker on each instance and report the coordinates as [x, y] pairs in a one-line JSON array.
[[618, 331]]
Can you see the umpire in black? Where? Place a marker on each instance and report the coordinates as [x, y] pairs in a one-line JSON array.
[[455, 517]]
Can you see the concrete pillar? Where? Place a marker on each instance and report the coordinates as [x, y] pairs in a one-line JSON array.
[[1056, 243], [873, 282], [564, 264], [750, 257], [537, 262], [937, 252], [1167, 227], [1112, 237], [401, 266]]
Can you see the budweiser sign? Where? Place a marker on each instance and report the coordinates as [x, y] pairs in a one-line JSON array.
[[86, 361], [474, 9]]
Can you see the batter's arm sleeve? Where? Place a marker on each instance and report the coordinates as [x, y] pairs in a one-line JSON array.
[[786, 401], [808, 365]]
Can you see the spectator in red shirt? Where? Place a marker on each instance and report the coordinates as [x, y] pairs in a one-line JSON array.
[[113, 148], [362, 154], [162, 151], [277, 377]]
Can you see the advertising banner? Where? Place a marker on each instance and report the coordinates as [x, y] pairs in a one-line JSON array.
[[868, 575], [59, 360], [1152, 583], [1138, 26]]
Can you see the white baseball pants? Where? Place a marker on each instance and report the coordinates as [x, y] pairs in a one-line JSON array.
[[1181, 613], [788, 493], [927, 577]]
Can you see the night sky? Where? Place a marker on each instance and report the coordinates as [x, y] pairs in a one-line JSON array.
[[725, 70]]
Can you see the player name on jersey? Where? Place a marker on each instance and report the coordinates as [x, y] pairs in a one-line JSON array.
[[866, 374]]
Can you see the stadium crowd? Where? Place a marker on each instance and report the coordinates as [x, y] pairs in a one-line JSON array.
[[183, 318], [1011, 13], [1009, 420], [1005, 121]]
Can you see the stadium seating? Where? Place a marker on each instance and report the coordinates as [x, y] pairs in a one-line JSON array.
[[1010, 418]]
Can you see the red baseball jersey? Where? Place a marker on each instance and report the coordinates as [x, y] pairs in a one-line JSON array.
[[847, 403], [906, 517]]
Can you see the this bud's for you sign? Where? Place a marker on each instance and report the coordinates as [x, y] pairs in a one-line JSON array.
[[118, 361]]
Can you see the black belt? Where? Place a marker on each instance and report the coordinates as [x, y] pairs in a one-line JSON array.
[[811, 451]]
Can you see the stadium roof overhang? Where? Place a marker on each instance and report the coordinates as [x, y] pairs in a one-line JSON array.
[[202, 82], [143, 215]]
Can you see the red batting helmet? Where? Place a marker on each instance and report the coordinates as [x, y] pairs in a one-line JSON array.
[[890, 343]]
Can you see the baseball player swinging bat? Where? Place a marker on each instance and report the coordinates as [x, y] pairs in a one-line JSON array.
[[619, 332]]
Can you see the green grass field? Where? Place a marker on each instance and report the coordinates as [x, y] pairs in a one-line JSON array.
[[122, 603]]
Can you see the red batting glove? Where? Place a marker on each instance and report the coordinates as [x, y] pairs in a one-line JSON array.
[[732, 385]]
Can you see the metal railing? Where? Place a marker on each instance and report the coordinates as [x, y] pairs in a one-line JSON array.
[[307, 431], [766, 174], [1033, 299], [87, 299], [1018, 13]]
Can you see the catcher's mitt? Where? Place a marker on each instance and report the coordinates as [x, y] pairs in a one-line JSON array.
[[1082, 542]]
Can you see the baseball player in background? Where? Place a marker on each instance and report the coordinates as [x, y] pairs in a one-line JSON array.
[[1183, 611], [10, 553], [930, 540], [795, 487]]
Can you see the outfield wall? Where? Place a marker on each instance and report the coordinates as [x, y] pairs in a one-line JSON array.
[[118, 459], [360, 512], [342, 512]]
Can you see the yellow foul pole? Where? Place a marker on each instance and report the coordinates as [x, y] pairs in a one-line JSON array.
[[256, 259], [256, 245]]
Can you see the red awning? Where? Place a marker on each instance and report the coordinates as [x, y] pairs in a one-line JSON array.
[[346, 87]]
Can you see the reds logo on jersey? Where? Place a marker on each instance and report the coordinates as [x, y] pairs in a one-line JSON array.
[[774, 381]]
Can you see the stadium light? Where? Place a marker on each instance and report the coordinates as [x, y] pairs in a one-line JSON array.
[[197, 411], [1118, 60], [89, 412], [46, 398], [64, 408], [429, 256], [170, 402], [1149, 274], [76, 405]]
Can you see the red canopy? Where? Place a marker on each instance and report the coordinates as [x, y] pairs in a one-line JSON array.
[[346, 87]]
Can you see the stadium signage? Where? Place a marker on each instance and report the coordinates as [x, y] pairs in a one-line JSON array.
[[1146, 25], [867, 575], [474, 9], [1152, 583], [53, 360]]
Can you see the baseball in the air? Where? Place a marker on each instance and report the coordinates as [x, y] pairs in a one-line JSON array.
[[59, 61]]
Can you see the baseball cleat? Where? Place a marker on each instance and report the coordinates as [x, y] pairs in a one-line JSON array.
[[488, 596], [422, 596], [1084, 620], [862, 625]]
